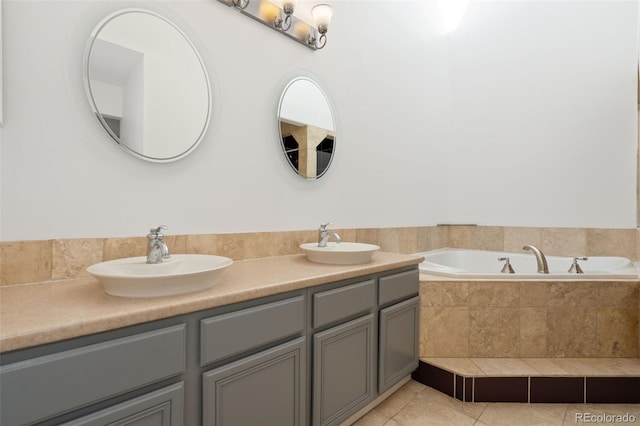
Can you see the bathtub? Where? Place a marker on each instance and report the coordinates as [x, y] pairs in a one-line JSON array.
[[465, 263]]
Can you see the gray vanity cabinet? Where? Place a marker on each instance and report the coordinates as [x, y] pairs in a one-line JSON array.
[[344, 355], [399, 319], [43, 387], [313, 356], [265, 388]]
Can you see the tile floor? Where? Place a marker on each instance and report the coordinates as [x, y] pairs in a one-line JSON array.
[[417, 405]]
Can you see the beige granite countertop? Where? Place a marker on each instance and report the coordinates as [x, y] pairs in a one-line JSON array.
[[38, 313]]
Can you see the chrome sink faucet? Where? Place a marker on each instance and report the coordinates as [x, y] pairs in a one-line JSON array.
[[324, 235], [157, 249], [543, 268]]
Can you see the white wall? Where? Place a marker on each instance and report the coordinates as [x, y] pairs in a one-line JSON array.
[[63, 177], [423, 122], [544, 94]]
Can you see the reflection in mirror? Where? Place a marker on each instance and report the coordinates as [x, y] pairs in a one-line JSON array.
[[147, 85], [307, 128]]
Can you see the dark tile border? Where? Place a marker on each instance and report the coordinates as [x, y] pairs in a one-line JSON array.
[[435, 377], [571, 390], [501, 389], [468, 389], [613, 390], [556, 389], [459, 387]]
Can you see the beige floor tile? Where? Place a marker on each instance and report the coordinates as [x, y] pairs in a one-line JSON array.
[[416, 386], [470, 409], [422, 411], [461, 366], [392, 423], [607, 408], [509, 414], [576, 414], [505, 367], [396, 402], [372, 418]]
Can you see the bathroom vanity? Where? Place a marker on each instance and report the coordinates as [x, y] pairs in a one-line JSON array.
[[280, 341]]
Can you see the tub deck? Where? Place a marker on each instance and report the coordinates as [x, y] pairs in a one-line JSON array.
[[485, 264]]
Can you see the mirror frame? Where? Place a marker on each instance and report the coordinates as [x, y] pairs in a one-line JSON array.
[[314, 80], [92, 102]]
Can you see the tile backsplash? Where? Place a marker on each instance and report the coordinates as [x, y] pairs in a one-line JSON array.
[[36, 261]]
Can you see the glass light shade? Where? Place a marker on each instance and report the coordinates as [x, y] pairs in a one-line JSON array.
[[301, 29], [283, 4], [291, 3], [322, 14], [269, 11]]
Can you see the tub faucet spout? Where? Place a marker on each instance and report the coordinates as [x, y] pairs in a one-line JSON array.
[[543, 268]]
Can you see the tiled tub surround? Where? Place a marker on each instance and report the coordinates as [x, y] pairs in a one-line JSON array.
[[513, 319], [530, 341], [61, 259]]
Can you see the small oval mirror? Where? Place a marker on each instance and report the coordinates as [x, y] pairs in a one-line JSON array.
[[307, 128], [147, 85]]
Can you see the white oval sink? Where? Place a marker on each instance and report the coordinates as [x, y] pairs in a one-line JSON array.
[[343, 253], [181, 273]]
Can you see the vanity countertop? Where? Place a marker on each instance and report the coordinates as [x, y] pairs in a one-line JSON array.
[[38, 313]]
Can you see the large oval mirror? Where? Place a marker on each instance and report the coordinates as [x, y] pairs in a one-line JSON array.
[[147, 85], [307, 128]]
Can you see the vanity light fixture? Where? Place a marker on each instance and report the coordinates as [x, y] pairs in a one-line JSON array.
[[279, 15], [322, 14], [288, 7], [240, 4]]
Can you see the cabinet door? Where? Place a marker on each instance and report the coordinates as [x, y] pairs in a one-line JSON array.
[[161, 408], [398, 342], [266, 389], [344, 370]]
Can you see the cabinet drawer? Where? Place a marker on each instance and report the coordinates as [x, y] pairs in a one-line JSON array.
[[43, 387], [399, 286], [231, 334], [162, 407], [343, 302]]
